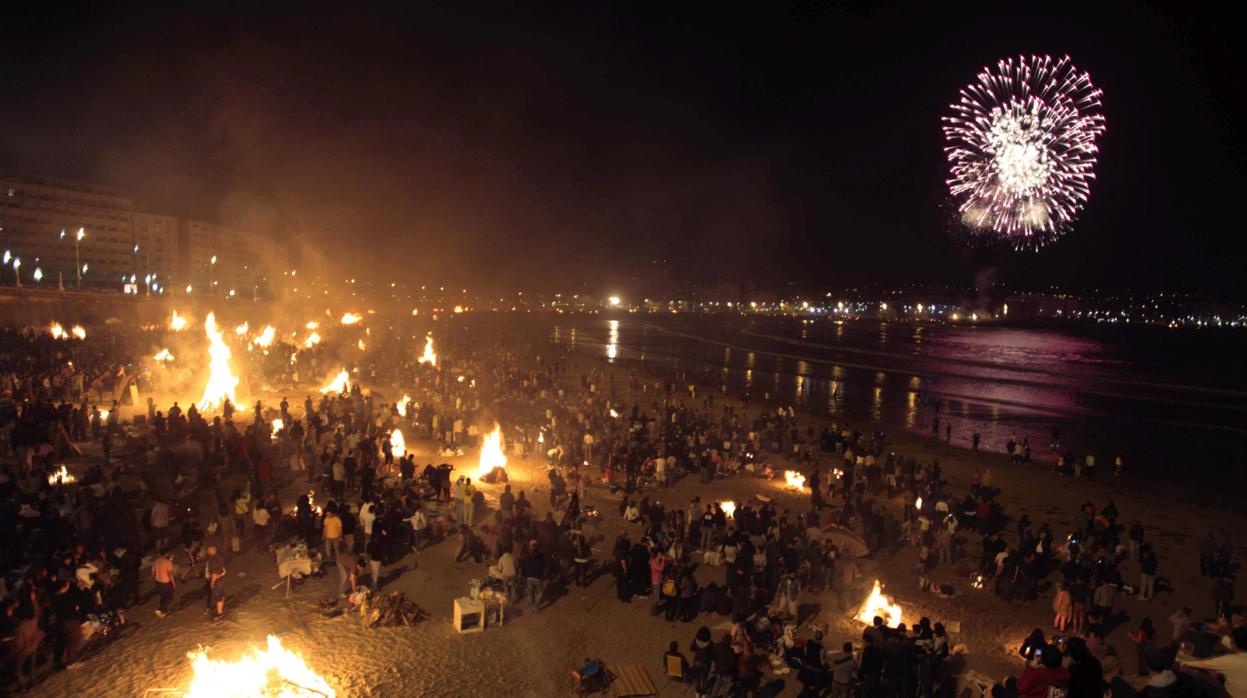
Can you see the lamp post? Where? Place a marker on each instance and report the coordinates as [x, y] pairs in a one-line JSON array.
[[17, 269], [212, 275]]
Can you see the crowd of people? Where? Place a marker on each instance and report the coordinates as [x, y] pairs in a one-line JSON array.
[[625, 440]]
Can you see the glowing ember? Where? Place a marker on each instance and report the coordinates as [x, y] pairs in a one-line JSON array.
[[350, 318], [312, 340], [265, 338], [398, 444], [340, 383], [492, 453], [729, 508], [61, 476], [794, 479], [275, 672], [177, 323], [221, 380], [428, 357], [879, 605], [78, 332], [57, 331], [242, 329], [401, 407], [163, 355]]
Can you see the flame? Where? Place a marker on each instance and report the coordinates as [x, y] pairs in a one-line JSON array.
[[879, 605], [401, 407], [794, 479], [163, 355], [278, 425], [428, 357], [492, 453], [177, 323], [242, 329], [274, 672], [312, 324], [221, 380], [350, 318], [361, 345], [458, 309], [312, 340], [61, 476], [265, 338], [78, 332], [57, 331], [104, 415], [398, 444], [918, 504], [729, 508], [340, 383]]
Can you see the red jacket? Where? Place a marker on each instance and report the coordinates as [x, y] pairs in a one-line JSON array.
[[1036, 682]]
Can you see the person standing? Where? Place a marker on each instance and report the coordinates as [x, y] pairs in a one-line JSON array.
[[331, 529], [375, 549], [214, 576], [1147, 577], [534, 568], [508, 570], [165, 577]]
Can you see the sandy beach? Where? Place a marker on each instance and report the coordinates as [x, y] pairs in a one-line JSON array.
[[532, 654]]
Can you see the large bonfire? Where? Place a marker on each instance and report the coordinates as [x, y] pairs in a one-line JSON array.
[[221, 380], [492, 454], [275, 672], [879, 605], [340, 383], [428, 357]]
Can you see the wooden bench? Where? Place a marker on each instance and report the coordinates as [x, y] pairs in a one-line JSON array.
[[632, 680]]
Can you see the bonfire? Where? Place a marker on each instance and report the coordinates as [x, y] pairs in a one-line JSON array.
[[177, 323], [274, 672], [265, 338], [492, 453], [401, 406], [350, 318], [78, 332], [794, 480], [61, 476], [879, 605], [340, 383], [398, 445], [57, 331], [163, 355], [729, 509], [428, 357], [221, 380]]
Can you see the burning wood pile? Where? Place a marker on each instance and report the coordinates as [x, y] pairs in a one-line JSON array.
[[272, 672]]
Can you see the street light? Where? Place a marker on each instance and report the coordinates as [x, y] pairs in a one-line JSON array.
[[212, 275], [38, 275], [17, 269], [78, 266]]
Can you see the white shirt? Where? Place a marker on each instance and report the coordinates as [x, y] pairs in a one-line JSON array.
[[1232, 666]]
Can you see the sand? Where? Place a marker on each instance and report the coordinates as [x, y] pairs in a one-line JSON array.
[[533, 653]]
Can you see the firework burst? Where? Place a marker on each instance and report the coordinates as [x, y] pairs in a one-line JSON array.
[[1022, 148]]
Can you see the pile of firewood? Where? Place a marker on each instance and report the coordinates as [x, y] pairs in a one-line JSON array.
[[390, 610]]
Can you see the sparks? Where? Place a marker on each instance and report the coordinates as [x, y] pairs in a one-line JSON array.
[[1022, 148]]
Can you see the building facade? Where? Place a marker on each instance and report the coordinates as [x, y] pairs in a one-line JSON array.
[[77, 234]]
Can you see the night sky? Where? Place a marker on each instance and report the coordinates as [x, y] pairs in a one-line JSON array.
[[573, 146]]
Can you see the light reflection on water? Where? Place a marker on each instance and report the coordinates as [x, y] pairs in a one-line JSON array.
[[995, 380]]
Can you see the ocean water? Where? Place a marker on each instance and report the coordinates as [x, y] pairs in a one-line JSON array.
[[1171, 403]]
